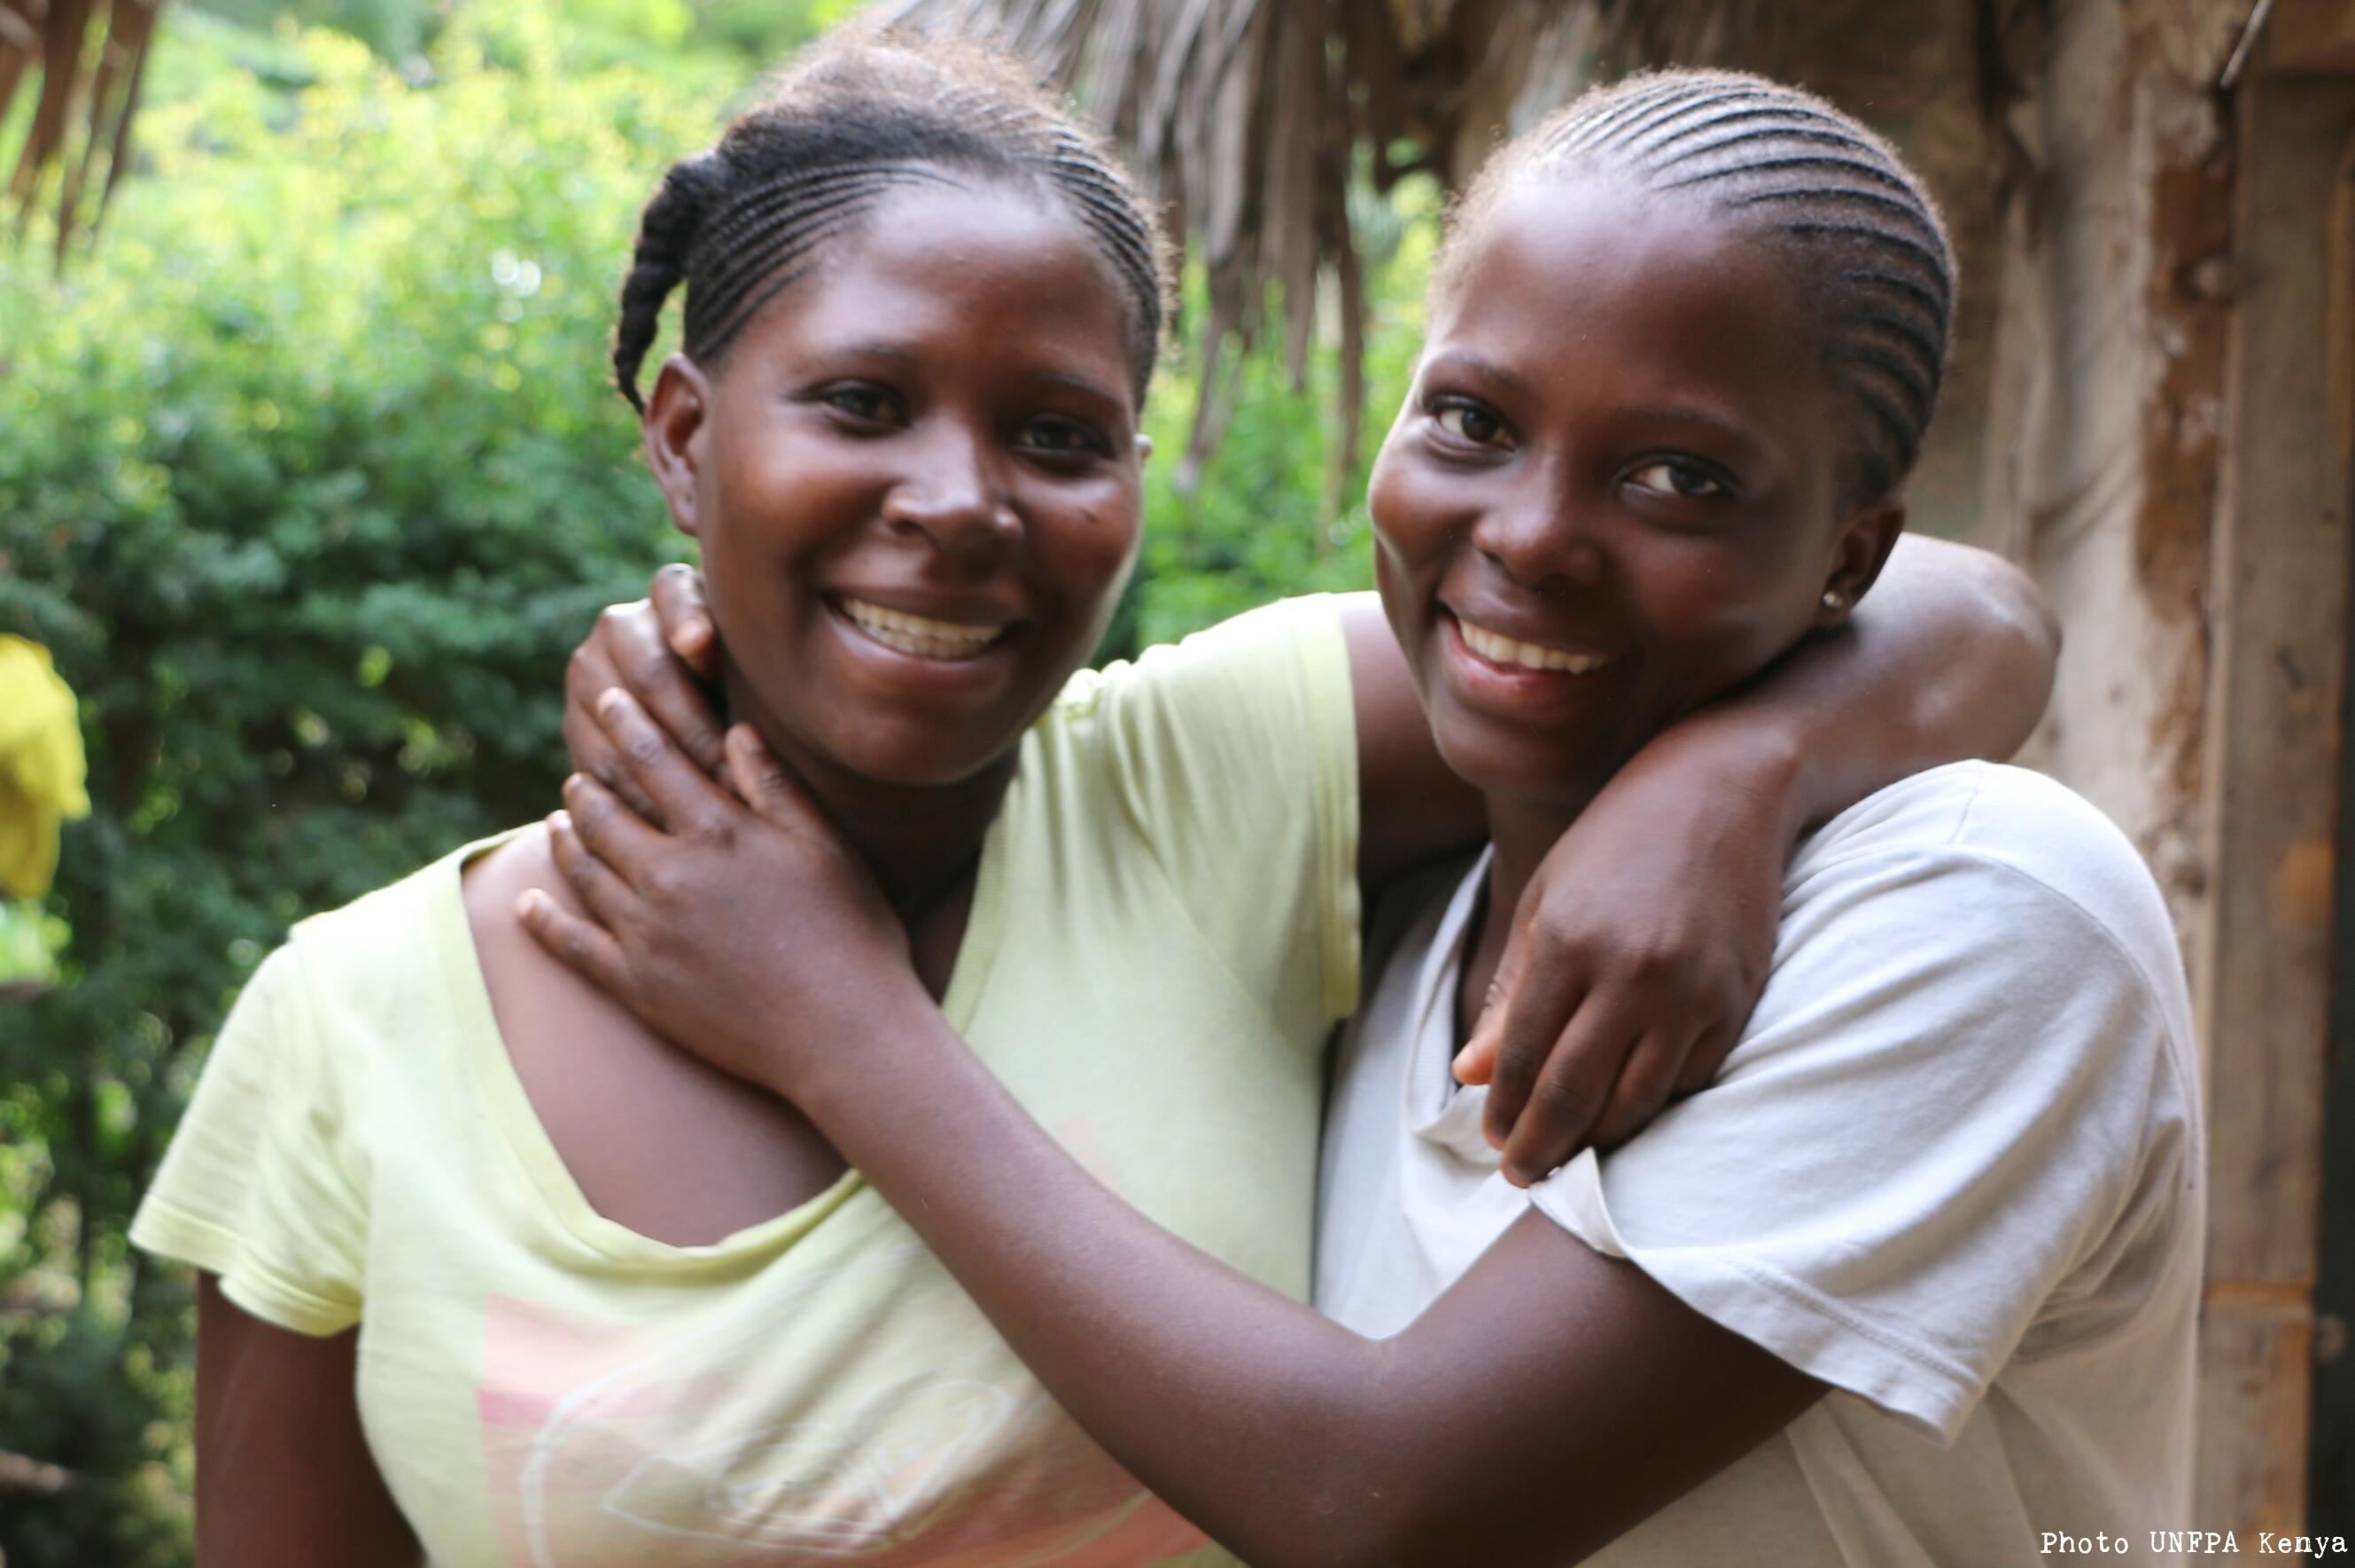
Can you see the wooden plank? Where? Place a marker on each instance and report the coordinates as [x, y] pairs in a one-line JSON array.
[[2310, 35], [2279, 628], [2254, 1362]]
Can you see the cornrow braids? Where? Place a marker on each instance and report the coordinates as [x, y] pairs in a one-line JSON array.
[[1864, 236], [853, 120]]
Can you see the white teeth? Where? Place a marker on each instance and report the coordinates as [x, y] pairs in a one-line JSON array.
[[916, 635], [1497, 648]]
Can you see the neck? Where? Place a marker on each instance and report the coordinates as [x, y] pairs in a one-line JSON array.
[[921, 841], [1524, 832]]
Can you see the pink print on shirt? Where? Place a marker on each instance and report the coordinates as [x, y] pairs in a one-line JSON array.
[[614, 1446]]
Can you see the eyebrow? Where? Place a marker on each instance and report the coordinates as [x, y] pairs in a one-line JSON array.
[[1059, 378], [1077, 383], [1723, 426], [1463, 359]]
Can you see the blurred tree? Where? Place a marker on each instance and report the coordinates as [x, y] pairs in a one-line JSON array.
[[310, 482], [87, 57]]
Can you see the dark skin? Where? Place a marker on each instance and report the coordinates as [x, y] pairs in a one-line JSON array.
[[1667, 499], [938, 476]]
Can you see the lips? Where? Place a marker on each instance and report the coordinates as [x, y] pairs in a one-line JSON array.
[[1497, 648], [920, 636]]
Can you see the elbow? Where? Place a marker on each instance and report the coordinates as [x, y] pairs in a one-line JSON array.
[[2019, 606]]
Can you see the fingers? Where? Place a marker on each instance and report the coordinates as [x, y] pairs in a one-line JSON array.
[[1645, 1086], [684, 794], [760, 781], [644, 643], [618, 842], [1527, 1013], [588, 675], [1476, 1062], [1706, 1058], [574, 943], [677, 593], [1566, 1094]]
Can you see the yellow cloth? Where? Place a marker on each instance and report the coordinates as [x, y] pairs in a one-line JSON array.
[[1163, 928], [41, 766]]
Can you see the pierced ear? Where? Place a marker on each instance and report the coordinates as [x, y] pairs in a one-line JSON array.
[[1857, 556], [676, 421], [1144, 447]]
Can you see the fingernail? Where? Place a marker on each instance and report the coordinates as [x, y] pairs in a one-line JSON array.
[[561, 821], [609, 702]]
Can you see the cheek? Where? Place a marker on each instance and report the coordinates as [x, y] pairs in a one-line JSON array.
[[1727, 616], [1086, 547], [1415, 514]]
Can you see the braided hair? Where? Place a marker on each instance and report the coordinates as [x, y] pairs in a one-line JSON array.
[[1864, 237], [852, 122]]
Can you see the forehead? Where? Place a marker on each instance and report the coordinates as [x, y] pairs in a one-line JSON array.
[[1684, 303], [991, 265]]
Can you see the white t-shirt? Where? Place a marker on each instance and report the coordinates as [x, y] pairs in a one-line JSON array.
[[1952, 1169]]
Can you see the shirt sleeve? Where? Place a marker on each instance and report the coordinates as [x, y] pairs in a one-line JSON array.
[[257, 1185], [1236, 754], [1943, 1106]]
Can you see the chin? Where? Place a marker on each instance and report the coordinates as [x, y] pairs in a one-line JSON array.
[[1534, 768], [917, 760]]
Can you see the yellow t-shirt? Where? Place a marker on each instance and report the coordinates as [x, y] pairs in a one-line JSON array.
[[1164, 929]]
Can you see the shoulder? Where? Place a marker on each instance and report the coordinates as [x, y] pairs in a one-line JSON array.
[[1986, 854], [1287, 642], [375, 966], [371, 956]]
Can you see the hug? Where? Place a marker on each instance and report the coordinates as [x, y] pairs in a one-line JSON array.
[[1568, 1056]]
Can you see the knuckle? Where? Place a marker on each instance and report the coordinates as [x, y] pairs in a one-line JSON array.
[[1516, 1069], [650, 667], [1560, 1096], [664, 884], [644, 748]]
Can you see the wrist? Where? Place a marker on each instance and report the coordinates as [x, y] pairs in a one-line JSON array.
[[888, 1032], [1759, 760]]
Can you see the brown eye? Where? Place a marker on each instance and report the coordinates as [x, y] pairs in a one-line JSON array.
[[1673, 476], [1468, 422], [871, 405], [1061, 437]]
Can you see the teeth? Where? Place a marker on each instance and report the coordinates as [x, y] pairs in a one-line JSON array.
[[916, 635], [1497, 648]]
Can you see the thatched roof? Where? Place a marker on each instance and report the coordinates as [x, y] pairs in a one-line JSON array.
[[1247, 118], [86, 59]]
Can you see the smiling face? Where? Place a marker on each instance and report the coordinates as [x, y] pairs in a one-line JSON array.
[[1615, 490], [915, 478]]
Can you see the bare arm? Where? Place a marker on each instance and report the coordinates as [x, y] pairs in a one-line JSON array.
[[1549, 1401], [1642, 944], [284, 1478]]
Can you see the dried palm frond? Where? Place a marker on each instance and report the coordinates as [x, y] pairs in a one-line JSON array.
[[88, 59], [1248, 119]]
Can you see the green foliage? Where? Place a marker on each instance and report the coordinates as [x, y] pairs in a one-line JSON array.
[[310, 483], [310, 479]]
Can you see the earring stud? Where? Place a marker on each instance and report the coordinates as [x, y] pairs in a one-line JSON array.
[[1832, 601]]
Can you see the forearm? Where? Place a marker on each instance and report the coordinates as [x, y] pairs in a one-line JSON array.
[[1267, 1424], [1950, 657]]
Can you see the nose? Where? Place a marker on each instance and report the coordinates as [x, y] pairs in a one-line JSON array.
[[953, 495], [1542, 537]]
